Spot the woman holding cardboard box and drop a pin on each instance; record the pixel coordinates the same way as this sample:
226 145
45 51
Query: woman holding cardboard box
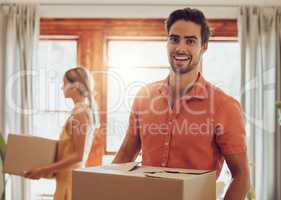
75 139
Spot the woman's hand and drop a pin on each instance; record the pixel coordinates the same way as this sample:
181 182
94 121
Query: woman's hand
36 173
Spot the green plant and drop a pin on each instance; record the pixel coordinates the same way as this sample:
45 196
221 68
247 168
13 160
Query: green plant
251 194
278 106
2 157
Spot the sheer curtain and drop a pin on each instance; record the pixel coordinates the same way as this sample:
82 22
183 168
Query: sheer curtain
259 30
19 28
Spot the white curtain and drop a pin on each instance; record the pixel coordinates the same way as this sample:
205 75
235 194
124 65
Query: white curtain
259 30
19 28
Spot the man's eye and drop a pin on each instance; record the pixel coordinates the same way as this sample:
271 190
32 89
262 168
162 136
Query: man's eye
173 39
190 42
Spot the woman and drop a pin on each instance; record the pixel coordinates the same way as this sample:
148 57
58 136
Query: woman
75 136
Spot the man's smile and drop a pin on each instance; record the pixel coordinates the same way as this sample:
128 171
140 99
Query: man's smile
182 59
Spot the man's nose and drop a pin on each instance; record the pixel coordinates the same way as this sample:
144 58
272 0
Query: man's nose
181 46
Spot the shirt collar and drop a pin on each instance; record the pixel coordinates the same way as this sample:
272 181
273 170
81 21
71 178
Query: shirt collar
198 90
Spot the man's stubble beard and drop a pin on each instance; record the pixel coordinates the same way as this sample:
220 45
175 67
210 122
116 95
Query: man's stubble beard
183 70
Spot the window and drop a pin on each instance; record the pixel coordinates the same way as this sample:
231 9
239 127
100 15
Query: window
221 66
128 71
54 58
100 48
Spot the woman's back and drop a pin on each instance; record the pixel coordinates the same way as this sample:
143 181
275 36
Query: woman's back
66 147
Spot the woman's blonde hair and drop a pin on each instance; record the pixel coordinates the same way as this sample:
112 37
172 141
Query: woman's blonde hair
83 76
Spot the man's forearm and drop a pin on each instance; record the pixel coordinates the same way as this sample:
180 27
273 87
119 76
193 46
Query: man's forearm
122 157
129 150
126 153
238 189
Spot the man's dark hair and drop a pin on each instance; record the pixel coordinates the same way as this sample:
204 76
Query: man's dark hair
193 15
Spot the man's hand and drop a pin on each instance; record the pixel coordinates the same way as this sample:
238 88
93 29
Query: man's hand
238 166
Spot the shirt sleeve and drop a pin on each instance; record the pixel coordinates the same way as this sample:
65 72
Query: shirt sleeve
133 128
134 125
230 128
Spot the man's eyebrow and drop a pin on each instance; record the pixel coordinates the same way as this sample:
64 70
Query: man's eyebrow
185 37
173 35
191 37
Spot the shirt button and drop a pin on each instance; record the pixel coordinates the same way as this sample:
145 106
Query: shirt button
166 143
163 164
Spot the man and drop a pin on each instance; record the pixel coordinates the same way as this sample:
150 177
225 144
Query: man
184 121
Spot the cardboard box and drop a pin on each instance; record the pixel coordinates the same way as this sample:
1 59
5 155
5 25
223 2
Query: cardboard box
27 152
132 182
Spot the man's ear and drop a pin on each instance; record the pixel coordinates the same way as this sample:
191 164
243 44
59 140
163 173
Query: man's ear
204 47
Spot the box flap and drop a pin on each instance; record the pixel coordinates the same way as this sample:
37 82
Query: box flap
134 169
170 175
112 168
148 169
122 166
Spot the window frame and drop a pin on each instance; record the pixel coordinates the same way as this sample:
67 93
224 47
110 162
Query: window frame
93 34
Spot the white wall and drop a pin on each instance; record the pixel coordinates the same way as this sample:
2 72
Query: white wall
142 8
128 11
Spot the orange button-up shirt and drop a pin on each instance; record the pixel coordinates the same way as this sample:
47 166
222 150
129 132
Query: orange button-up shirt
204 125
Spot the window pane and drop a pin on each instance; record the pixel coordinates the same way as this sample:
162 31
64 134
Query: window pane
128 72
54 58
221 66
137 53
123 84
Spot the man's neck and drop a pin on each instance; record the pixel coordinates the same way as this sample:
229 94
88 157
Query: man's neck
180 83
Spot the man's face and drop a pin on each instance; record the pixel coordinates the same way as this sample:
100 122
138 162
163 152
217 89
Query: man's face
184 46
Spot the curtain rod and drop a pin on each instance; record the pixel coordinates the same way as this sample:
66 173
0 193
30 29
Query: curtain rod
124 4
137 4
153 5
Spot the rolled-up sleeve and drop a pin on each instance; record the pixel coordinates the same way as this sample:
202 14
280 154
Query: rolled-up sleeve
230 129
